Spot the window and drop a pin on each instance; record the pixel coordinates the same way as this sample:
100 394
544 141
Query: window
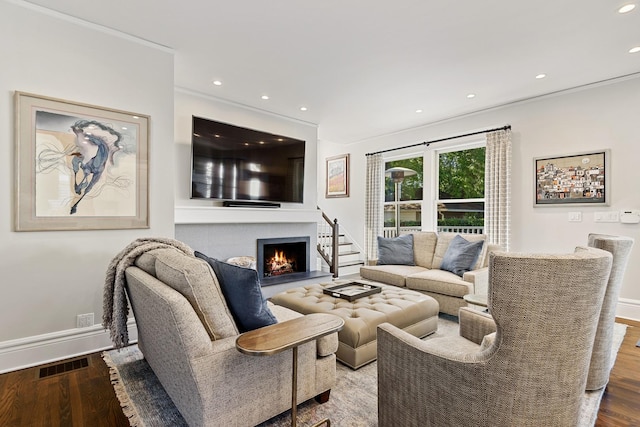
460 195
403 196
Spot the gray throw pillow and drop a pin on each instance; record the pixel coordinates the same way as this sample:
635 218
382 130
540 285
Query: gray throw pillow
461 255
241 289
398 250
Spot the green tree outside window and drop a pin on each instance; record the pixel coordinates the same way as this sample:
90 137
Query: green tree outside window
460 178
461 174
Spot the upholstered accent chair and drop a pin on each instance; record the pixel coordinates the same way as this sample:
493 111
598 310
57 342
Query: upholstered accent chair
476 325
532 373
601 358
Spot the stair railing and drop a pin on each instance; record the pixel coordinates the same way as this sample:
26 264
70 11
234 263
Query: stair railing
329 242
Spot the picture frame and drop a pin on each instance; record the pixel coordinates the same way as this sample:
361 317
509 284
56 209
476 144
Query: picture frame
79 166
579 179
337 182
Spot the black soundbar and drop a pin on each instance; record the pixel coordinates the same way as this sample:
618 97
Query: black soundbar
240 204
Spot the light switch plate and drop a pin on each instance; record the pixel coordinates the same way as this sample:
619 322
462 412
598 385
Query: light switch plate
575 216
607 216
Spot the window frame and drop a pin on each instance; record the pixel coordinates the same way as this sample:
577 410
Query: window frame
435 187
399 203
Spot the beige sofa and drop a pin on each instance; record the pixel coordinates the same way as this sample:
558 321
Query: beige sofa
188 336
425 276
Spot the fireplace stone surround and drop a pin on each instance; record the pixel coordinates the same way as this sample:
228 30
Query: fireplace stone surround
226 240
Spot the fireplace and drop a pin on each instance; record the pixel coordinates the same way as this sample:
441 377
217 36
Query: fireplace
283 259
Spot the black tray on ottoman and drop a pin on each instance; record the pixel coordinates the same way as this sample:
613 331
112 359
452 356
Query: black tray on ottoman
352 291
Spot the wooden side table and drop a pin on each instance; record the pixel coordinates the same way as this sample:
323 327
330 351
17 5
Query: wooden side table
276 338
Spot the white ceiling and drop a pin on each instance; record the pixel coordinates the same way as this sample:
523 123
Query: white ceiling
363 68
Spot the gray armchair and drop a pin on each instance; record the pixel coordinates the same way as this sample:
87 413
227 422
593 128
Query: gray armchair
475 325
532 373
601 358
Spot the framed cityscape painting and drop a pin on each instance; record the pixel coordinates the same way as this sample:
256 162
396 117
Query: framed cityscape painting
79 166
573 180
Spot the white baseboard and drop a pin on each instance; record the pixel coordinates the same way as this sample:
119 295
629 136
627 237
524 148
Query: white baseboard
628 308
42 349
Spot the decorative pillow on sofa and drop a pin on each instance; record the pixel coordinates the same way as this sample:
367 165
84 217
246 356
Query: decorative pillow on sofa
461 255
398 250
241 289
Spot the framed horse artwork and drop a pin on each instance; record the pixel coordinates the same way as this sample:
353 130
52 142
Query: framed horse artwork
79 166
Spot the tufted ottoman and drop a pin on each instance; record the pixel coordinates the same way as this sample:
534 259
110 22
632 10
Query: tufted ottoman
412 311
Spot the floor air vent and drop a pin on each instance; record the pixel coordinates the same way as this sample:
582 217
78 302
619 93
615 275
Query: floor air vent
61 368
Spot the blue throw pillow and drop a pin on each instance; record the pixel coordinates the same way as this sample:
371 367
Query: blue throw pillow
398 250
241 289
461 255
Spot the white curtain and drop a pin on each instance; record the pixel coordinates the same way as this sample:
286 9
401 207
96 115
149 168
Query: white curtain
374 205
497 176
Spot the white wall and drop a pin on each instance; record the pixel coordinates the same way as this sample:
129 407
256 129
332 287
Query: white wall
50 277
598 117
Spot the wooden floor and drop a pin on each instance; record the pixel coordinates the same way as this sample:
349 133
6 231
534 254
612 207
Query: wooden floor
85 397
620 404
81 397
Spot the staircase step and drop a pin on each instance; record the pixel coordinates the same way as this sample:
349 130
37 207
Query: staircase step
349 253
348 258
349 270
350 263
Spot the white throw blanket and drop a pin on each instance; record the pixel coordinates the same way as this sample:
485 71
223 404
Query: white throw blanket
114 301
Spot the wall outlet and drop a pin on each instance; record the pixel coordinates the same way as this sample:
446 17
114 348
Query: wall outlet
575 216
84 320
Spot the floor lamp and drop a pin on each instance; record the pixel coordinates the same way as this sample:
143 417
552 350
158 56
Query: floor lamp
398 175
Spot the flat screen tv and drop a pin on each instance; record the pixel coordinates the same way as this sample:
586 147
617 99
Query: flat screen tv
234 163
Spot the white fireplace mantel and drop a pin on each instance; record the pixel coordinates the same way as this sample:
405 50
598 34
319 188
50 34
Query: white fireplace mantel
243 215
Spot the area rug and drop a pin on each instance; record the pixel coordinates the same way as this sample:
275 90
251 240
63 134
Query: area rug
353 401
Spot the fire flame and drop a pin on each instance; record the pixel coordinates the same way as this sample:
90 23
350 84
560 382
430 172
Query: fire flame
280 264
279 257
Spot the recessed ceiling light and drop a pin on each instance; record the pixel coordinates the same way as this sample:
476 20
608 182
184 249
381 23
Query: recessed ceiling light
265 97
418 111
627 8
471 95
541 76
217 82
634 49
303 108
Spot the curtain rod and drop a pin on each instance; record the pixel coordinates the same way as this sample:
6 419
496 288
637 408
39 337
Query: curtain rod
427 143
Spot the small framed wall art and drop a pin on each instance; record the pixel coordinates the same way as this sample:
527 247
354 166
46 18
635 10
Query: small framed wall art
581 179
338 176
79 166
